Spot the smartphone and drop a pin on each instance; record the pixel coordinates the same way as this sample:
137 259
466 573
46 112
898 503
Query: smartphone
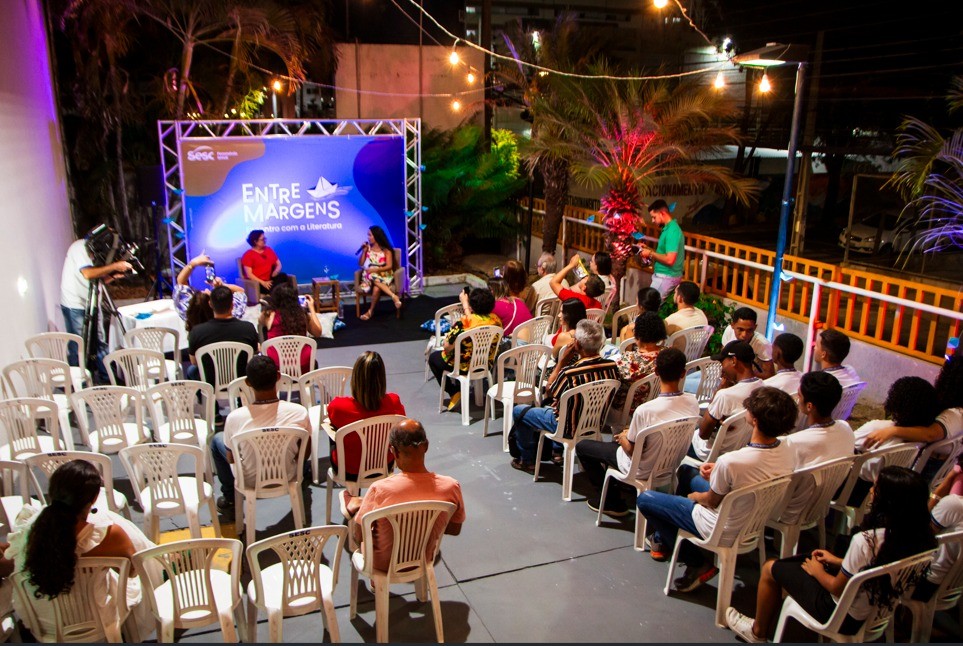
209 274
497 272
467 290
303 300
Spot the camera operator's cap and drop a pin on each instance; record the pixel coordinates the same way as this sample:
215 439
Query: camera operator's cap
741 350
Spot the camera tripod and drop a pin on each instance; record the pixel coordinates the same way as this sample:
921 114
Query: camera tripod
100 309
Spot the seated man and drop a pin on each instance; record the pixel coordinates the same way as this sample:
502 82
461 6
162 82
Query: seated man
737 359
671 404
588 366
223 327
832 348
787 348
686 295
184 294
823 439
409 444
265 411
546 270
586 290
701 491
743 328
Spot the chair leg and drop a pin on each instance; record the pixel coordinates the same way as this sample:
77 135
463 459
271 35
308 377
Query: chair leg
297 504
315 441
251 622
239 519
275 630
538 455
727 575
672 564
165 631
641 524
489 402
193 522
421 589
465 405
605 490
568 470
923 616
789 543
435 605
226 620
153 526
507 408
215 523
251 520
353 607
382 600
781 623
330 618
329 492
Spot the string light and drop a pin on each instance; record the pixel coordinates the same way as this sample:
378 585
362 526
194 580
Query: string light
456 106
454 58
764 85
277 85
470 78
660 4
720 82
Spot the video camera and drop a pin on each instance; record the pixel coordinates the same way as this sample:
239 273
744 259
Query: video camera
106 246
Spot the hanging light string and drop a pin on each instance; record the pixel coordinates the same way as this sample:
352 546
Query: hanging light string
685 14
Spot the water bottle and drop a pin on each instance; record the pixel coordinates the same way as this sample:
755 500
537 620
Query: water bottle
951 345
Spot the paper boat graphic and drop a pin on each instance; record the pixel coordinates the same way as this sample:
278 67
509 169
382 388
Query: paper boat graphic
324 189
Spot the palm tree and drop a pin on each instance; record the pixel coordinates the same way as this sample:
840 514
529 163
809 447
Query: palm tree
627 135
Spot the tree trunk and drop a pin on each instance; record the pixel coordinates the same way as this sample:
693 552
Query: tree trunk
185 76
117 91
231 74
556 174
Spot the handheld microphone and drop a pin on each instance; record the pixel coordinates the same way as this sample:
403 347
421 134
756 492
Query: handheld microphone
360 249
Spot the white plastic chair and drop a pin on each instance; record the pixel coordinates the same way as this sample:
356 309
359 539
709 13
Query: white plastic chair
848 400
160 489
946 597
300 583
289 348
696 338
901 573
627 314
709 379
240 394
807 504
14 477
109 428
53 345
139 368
47 463
525 388
620 418
901 455
549 307
732 435
629 344
318 388
30 425
483 339
156 338
275 476
185 590
596 314
673 438
45 379
947 450
373 460
411 559
175 419
224 357
594 400
451 313
77 616
531 331
732 537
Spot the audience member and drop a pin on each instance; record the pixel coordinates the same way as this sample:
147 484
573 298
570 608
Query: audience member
478 306
415 482
737 359
743 328
647 300
586 367
832 348
787 348
265 411
511 310
516 279
596 457
695 508
895 527
369 398
286 316
946 515
824 438
194 307
586 290
546 270
686 295
600 264
569 316
223 327
639 362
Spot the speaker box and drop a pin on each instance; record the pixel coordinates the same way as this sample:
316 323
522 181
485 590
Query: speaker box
150 186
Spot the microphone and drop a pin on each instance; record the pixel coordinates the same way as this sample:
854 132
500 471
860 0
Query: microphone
363 244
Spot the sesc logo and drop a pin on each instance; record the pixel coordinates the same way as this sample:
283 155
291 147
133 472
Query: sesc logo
201 154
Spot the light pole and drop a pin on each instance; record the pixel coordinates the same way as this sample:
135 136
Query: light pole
773 55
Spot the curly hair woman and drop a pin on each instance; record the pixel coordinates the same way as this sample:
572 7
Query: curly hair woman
647 300
286 316
897 526
377 262
639 362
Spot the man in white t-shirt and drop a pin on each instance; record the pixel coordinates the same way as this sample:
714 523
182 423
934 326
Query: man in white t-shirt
671 404
695 508
78 271
824 438
266 411
688 315
787 348
546 269
737 360
743 328
832 348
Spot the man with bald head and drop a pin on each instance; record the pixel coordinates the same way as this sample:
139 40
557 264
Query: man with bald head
408 442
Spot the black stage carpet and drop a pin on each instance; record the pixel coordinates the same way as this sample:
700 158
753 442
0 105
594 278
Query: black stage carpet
383 326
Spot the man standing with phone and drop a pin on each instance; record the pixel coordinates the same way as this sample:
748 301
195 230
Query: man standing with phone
669 255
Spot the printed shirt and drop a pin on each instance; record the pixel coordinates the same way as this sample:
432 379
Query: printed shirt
184 293
466 323
633 365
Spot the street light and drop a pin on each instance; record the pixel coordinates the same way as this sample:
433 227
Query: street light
773 55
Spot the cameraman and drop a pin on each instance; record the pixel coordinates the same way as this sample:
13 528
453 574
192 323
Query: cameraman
75 279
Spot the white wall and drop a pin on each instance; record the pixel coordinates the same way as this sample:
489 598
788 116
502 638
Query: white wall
34 211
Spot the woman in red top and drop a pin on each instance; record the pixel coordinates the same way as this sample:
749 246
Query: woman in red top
368 399
260 263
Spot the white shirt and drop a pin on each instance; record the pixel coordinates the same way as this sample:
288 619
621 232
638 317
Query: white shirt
664 408
542 288
785 380
73 285
871 467
844 374
948 516
952 421
684 318
760 344
816 444
859 555
246 418
735 470
726 402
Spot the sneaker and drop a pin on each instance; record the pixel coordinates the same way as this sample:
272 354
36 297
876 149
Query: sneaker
454 401
694 577
615 510
741 625
656 550
225 504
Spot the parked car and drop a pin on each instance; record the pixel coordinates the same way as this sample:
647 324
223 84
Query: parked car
895 234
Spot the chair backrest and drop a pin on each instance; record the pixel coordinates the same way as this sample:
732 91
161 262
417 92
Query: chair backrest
77 617
138 367
531 331
289 348
14 477
47 463
240 394
950 591
411 525
673 440
37 377
483 339
524 361
20 421
901 455
743 513
848 401
269 449
710 378
549 306
53 345
187 565
302 558
110 408
695 340
947 450
628 344
596 314
592 403
154 468
373 435
173 403
223 357
153 338
732 435
320 386
650 384
452 313
626 314
812 489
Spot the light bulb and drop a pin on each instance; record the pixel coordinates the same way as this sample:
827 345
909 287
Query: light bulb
277 86
660 4
454 58
470 78
720 81
456 106
764 84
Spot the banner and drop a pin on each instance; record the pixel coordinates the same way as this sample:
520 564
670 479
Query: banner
314 198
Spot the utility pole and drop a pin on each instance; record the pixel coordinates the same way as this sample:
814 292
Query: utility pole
486 42
798 241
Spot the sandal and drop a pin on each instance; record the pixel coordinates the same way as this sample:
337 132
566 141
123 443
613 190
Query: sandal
366 316
523 466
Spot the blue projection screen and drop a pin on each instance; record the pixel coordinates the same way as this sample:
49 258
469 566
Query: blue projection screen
314 197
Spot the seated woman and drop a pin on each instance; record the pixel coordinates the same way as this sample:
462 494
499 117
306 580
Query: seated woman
897 526
640 362
377 264
260 263
369 398
46 543
478 306
286 316
194 307
946 515
573 311
510 309
647 300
